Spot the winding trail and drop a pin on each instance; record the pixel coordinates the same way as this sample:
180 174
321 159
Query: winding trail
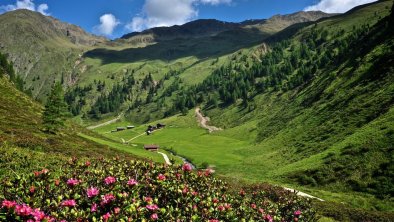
203 121
106 123
168 162
302 194
135 137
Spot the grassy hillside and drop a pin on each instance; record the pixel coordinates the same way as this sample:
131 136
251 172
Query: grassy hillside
25 147
304 105
48 177
43 49
165 53
316 113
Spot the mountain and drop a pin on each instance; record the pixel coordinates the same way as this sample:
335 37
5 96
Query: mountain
311 107
42 48
302 100
211 27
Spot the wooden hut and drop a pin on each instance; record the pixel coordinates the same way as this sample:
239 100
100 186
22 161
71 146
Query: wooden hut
151 147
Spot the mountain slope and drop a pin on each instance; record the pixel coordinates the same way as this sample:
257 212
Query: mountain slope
334 128
313 110
42 48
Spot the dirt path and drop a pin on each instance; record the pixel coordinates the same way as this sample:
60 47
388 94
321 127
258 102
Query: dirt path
106 123
135 137
204 120
302 194
165 158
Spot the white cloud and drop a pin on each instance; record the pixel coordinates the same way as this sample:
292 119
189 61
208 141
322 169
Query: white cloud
215 2
108 23
137 24
157 13
42 9
25 4
336 6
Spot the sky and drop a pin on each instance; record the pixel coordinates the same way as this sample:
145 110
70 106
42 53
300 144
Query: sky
114 18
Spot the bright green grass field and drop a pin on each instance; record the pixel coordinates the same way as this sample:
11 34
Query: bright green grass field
229 154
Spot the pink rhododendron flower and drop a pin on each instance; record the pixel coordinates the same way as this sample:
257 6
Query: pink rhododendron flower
32 189
152 207
49 219
178 176
213 220
268 218
92 192
72 182
215 200
185 190
253 206
8 204
161 177
109 180
106 216
57 182
107 198
297 213
117 210
38 215
68 203
132 182
93 208
87 163
227 206
154 217
186 167
148 199
208 172
220 208
23 210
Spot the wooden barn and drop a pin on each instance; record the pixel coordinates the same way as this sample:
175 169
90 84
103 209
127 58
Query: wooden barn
151 147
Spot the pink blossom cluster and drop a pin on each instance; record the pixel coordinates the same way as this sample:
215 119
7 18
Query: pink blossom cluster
186 167
68 203
92 192
72 182
107 198
109 180
132 182
25 211
152 207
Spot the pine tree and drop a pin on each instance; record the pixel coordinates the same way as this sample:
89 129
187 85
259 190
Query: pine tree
55 110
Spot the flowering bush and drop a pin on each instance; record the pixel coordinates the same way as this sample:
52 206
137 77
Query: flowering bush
116 190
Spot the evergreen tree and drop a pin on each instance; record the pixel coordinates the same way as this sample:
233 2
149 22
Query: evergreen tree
55 109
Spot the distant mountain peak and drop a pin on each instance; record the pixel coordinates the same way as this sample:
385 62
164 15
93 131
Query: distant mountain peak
210 27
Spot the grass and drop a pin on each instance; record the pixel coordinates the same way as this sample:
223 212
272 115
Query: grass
309 131
135 150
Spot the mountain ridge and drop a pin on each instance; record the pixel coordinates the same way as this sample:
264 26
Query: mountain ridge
210 27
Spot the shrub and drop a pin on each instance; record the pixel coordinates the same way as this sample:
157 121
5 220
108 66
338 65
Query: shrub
118 190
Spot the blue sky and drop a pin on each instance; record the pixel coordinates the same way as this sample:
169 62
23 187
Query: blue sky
113 18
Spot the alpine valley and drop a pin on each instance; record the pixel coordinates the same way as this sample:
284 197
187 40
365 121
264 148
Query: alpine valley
289 118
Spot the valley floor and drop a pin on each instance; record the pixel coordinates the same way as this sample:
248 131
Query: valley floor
219 150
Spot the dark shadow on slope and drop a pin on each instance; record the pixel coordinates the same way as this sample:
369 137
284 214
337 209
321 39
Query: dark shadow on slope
222 44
